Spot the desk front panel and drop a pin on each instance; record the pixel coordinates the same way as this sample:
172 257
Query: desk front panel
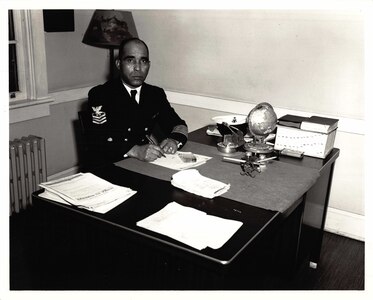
153 194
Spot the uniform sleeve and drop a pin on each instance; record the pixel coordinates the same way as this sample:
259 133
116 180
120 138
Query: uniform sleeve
105 143
173 126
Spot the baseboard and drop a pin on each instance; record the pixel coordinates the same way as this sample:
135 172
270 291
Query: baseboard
345 223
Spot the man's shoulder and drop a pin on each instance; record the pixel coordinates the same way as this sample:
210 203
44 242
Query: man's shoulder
108 86
153 89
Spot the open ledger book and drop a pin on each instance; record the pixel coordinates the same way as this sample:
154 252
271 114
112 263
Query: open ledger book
85 190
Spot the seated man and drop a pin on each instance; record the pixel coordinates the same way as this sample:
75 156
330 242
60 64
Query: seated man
126 112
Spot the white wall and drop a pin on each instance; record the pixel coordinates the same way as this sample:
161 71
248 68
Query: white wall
302 60
72 64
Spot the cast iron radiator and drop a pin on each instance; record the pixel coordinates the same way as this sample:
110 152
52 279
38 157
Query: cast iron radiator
27 168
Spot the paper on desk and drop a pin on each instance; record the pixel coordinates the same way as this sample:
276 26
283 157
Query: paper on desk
191 226
102 209
193 182
87 191
173 161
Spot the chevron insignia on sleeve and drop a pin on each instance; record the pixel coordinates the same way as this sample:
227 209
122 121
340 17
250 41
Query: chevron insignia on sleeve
98 116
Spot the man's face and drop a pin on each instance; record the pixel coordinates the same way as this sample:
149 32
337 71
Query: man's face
134 64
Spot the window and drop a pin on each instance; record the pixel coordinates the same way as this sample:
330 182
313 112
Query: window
28 85
17 81
13 73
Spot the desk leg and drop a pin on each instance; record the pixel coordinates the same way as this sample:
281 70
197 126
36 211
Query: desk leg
289 241
297 229
316 250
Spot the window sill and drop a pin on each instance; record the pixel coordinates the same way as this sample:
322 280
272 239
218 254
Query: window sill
28 110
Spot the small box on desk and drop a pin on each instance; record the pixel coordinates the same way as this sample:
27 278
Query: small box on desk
315 144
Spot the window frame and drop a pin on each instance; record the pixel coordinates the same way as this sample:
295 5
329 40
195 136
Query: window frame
20 50
33 100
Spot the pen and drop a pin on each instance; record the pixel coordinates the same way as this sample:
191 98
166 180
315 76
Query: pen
234 160
241 161
154 143
266 159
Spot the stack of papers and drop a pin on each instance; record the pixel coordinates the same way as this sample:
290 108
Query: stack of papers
177 161
193 182
87 191
191 226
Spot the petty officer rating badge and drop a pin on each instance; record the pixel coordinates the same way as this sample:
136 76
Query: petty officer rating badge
98 116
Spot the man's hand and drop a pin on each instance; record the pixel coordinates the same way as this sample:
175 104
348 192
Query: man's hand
146 152
169 146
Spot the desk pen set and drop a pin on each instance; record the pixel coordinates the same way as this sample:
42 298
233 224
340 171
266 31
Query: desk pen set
260 123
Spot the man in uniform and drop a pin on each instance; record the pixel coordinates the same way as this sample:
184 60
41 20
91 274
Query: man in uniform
131 118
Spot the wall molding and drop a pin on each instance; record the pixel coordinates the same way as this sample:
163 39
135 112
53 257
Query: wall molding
70 95
28 110
349 125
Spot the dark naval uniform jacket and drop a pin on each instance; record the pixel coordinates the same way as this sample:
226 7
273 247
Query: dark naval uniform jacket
117 122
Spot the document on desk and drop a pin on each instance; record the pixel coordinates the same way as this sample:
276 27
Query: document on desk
193 182
191 226
181 160
86 190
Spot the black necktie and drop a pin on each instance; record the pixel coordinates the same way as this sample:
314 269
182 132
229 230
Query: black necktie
133 95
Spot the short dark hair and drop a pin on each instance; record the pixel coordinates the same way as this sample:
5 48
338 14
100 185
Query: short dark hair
126 41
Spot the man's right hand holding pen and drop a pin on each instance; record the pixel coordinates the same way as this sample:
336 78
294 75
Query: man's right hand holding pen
147 152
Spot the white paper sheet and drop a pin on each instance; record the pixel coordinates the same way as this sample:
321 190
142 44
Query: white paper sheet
191 226
193 182
102 209
87 191
173 161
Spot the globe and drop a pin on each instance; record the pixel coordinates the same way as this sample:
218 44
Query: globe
261 122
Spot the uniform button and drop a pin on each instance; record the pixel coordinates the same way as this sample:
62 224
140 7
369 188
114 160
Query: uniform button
129 129
110 139
125 140
146 128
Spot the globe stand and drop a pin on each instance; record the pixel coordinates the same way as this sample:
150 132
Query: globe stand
257 150
261 122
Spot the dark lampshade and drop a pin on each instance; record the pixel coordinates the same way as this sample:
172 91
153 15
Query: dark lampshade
109 27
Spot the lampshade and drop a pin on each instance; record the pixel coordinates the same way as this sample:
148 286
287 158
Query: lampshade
109 27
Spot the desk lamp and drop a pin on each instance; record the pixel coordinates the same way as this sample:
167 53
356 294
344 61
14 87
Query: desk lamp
107 29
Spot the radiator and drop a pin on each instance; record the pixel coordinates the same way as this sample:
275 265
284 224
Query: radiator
27 168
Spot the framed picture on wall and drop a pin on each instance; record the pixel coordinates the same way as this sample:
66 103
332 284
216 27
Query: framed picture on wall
58 20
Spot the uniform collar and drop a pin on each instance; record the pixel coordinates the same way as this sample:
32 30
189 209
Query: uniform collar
129 89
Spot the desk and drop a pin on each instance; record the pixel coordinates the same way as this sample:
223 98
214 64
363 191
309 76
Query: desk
116 254
317 202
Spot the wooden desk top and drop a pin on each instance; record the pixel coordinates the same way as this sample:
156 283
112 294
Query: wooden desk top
200 136
153 194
